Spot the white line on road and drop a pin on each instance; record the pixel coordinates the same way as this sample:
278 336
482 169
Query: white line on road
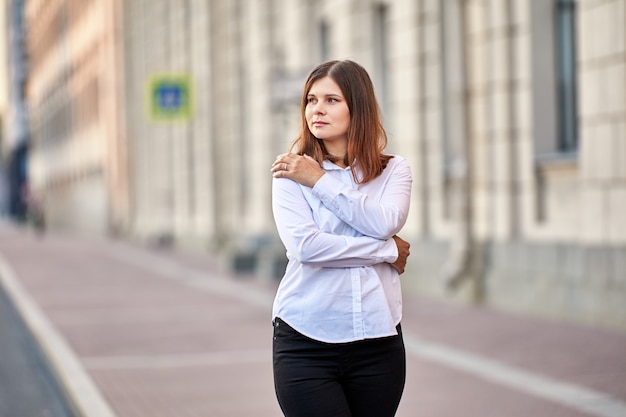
83 392
196 278
578 398
178 360
572 396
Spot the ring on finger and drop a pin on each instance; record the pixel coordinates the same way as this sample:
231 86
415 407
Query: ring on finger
284 167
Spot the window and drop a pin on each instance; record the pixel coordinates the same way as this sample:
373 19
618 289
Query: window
381 55
565 17
554 75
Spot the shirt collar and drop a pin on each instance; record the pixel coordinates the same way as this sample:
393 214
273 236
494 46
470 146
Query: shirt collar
329 166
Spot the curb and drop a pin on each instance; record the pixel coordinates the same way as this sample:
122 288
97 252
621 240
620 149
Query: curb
80 390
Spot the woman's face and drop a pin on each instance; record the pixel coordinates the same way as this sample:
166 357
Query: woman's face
326 112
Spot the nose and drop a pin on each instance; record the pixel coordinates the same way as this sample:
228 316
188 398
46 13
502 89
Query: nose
318 108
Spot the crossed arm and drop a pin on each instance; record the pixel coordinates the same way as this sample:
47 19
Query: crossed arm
377 219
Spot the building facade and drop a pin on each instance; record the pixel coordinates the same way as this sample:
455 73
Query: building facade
77 164
4 100
512 114
13 114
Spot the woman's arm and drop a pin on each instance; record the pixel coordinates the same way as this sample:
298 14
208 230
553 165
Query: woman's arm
309 245
380 218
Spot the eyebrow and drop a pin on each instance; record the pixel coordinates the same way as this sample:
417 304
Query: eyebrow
325 95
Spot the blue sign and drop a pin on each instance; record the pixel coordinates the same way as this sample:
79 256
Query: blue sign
169 97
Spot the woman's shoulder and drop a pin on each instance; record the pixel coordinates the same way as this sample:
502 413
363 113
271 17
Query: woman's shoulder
288 187
398 167
396 159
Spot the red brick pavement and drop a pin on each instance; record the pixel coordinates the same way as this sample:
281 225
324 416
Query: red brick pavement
172 334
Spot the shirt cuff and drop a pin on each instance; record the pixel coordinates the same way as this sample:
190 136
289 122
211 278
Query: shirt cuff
326 188
388 251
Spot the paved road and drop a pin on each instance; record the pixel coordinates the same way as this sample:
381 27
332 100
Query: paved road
27 385
133 331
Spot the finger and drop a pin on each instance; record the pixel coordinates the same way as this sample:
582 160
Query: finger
290 158
285 158
279 162
277 166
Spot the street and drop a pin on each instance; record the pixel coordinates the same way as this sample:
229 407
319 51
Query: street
28 387
133 331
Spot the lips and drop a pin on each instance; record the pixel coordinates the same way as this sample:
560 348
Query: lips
319 123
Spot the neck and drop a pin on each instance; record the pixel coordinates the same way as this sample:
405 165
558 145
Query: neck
337 151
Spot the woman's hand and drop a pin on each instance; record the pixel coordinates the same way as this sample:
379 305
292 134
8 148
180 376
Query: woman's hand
403 254
301 168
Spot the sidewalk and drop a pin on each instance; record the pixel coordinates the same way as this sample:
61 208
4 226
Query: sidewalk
137 332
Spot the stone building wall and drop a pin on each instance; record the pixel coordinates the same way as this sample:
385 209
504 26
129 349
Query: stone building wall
77 158
519 199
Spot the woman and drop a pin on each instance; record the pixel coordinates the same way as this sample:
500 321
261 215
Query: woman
338 203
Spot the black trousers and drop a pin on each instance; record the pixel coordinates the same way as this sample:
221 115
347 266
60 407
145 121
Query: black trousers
356 379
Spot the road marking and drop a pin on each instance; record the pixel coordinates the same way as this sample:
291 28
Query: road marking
221 358
82 391
194 277
572 396
569 395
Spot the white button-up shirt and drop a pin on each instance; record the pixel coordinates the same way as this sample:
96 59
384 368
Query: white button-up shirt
338 285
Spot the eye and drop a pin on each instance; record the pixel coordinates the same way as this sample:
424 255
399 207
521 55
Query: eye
311 100
333 100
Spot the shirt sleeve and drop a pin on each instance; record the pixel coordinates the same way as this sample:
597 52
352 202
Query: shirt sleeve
378 218
309 245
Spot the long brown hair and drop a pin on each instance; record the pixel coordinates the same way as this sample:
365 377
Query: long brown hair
367 138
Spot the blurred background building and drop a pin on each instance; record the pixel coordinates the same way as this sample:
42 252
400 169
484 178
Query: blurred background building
13 114
158 120
4 96
77 161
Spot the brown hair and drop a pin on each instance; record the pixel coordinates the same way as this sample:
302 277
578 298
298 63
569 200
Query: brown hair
367 138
